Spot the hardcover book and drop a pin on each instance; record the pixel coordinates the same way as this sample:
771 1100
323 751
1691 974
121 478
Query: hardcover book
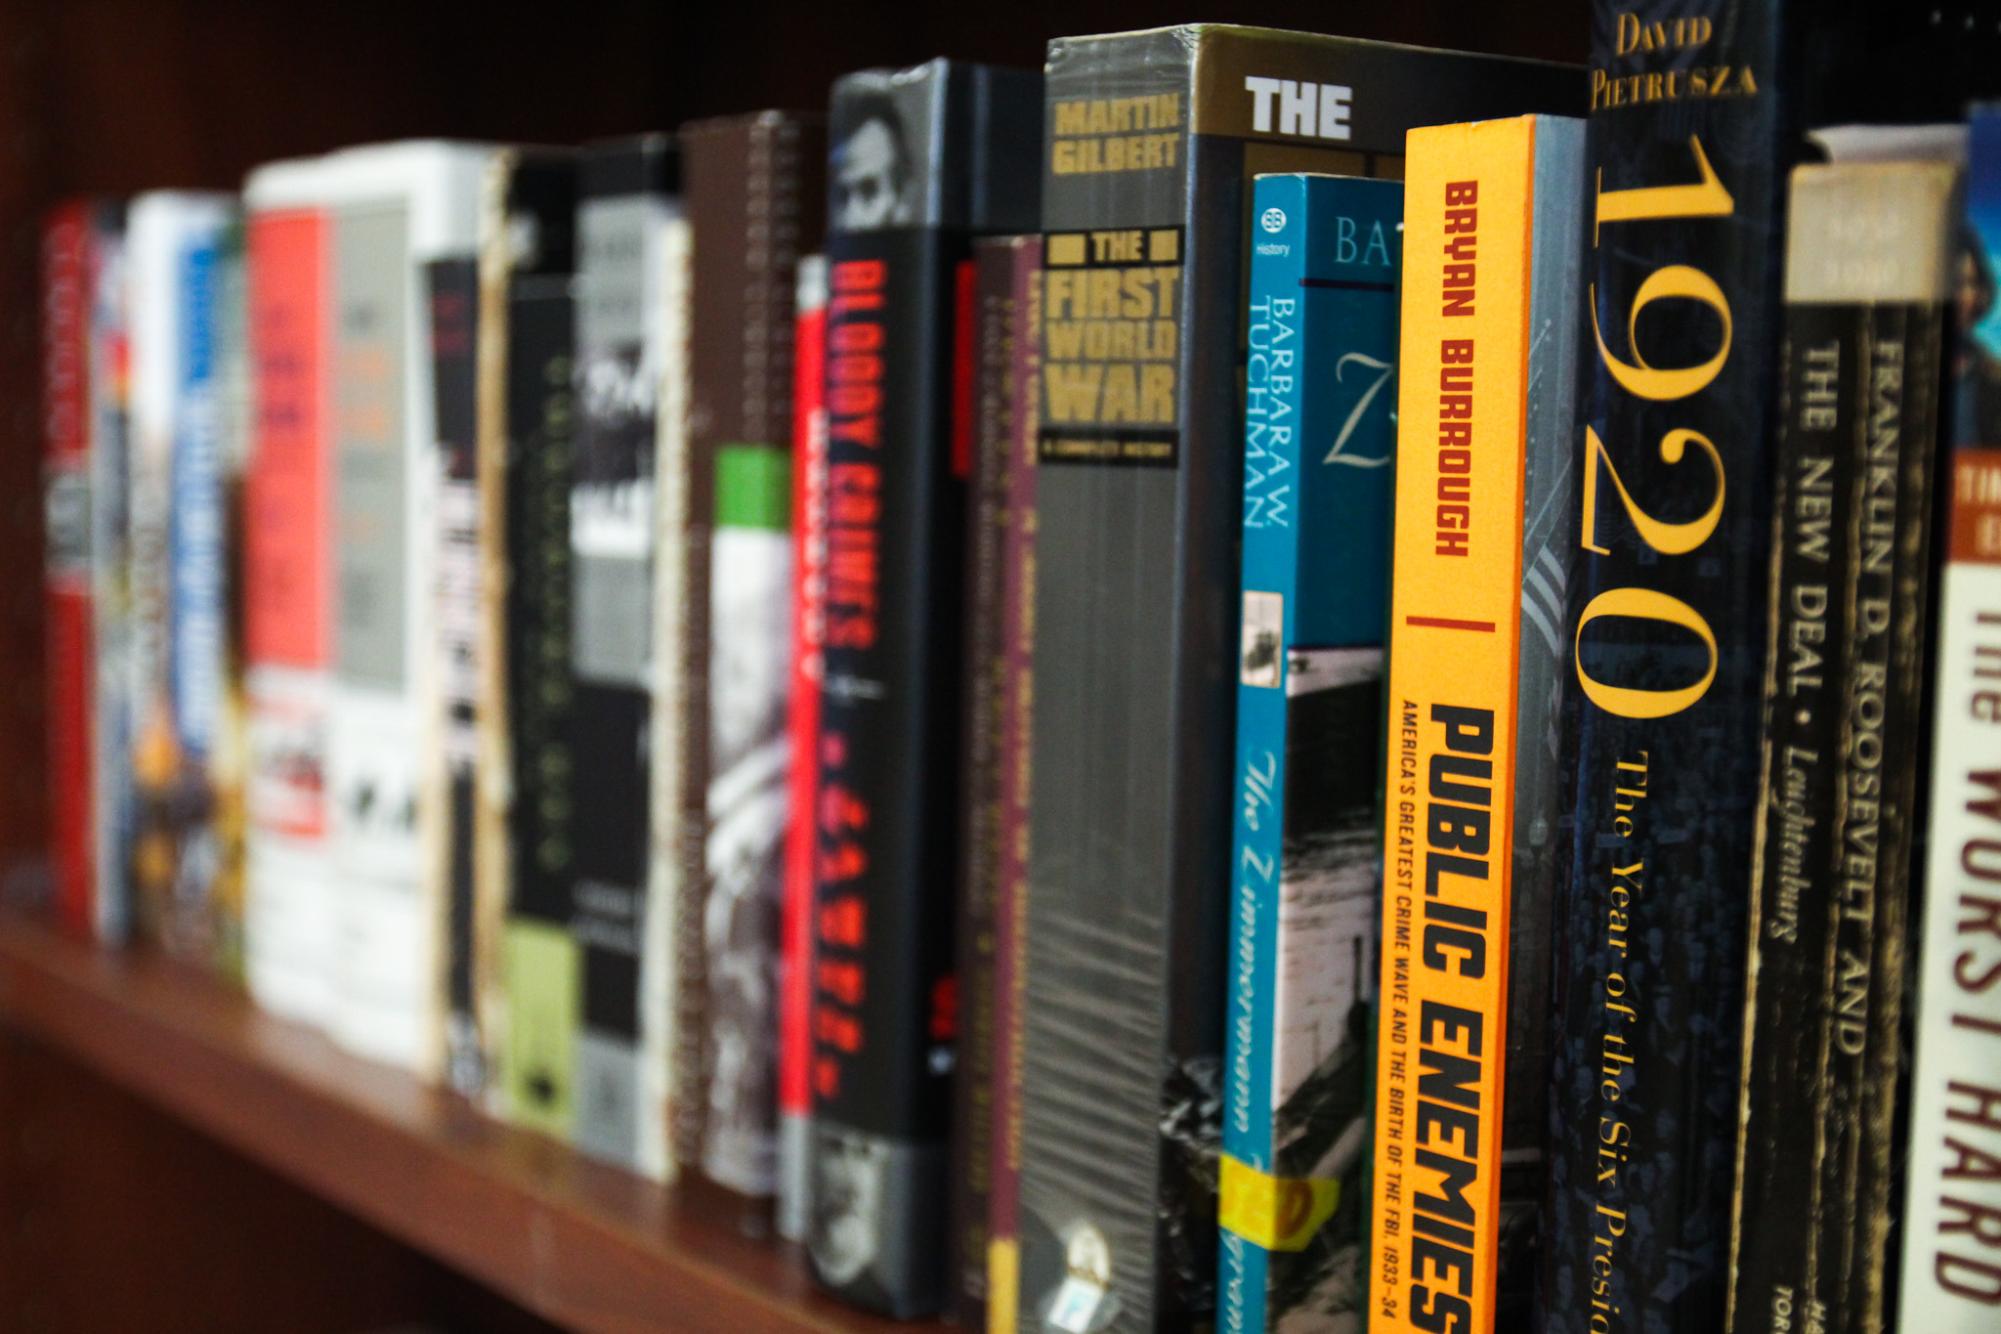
922 160
628 220
1485 478
393 209
1665 618
1867 259
802 728
1020 313
176 556
756 195
1152 139
1318 451
288 593
526 771
1950 1279
69 602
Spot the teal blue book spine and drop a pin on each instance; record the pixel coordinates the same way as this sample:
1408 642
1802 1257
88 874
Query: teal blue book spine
1319 435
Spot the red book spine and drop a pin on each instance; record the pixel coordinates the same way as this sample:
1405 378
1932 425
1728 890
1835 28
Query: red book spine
809 479
71 661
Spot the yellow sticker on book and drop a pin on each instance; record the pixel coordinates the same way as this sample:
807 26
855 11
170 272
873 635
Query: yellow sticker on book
1277 1213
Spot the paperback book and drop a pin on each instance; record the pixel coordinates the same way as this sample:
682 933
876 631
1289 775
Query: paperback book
1486 477
1665 618
1867 259
1307 864
1950 1276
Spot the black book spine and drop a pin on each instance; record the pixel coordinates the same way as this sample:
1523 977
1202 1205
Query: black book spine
911 157
454 304
1824 362
1879 805
1666 622
543 984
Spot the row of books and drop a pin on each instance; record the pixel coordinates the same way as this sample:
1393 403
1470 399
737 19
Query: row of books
1283 690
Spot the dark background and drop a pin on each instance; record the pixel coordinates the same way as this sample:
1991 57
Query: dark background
116 96
112 1216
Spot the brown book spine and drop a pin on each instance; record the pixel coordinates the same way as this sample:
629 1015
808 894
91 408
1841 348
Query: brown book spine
755 197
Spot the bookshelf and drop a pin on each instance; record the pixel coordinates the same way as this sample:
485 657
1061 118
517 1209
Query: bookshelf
568 1239
182 1118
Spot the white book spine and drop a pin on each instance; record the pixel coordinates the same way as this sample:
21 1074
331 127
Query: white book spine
1951 1282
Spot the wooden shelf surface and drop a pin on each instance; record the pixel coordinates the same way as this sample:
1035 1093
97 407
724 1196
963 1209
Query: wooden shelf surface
576 1241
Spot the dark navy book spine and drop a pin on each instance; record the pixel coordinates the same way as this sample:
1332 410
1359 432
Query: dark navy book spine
1667 634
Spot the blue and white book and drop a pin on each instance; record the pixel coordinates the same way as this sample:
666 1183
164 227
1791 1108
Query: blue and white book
1319 435
175 576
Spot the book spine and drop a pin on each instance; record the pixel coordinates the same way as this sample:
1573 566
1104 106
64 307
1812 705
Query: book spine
110 496
1298 1062
883 1012
621 362
1666 619
1011 837
1950 1244
172 563
757 177
1867 259
809 562
229 757
684 496
1251 1192
68 609
1455 643
492 751
1823 357
987 351
885 1003
387 944
748 670
1879 802
288 908
197 646
453 304
543 959
1129 829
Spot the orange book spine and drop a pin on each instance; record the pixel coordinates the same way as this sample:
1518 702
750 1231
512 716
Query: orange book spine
1455 639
